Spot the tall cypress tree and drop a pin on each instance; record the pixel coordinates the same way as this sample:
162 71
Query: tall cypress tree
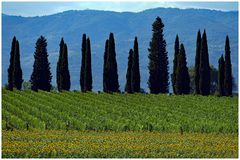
59 76
182 75
105 75
197 63
84 41
135 76
65 75
221 68
11 65
17 71
228 69
128 86
175 61
204 70
113 85
88 68
41 75
158 60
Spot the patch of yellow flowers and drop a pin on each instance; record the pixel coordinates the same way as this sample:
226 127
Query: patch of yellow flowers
75 144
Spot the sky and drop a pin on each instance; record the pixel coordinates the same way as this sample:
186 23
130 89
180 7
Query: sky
30 9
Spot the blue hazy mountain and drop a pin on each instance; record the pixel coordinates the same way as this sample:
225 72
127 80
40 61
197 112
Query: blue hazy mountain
125 26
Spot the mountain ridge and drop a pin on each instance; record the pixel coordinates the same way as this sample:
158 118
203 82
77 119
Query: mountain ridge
125 26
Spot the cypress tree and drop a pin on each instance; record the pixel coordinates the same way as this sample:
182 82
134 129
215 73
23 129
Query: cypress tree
182 75
128 86
41 75
88 68
158 60
228 69
17 71
84 41
105 76
197 63
221 65
113 85
175 61
65 75
204 70
135 76
11 65
59 63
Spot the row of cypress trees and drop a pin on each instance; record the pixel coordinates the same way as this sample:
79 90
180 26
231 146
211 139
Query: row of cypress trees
158 81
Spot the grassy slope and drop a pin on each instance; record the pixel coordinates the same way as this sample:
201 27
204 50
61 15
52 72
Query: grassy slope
91 111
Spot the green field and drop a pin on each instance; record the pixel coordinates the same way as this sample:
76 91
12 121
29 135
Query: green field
75 124
119 112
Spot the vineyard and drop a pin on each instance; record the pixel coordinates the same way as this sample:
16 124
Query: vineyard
74 110
75 124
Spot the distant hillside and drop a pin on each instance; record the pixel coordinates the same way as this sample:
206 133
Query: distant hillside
125 26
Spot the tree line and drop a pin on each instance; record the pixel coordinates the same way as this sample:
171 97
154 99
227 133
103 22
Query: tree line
158 66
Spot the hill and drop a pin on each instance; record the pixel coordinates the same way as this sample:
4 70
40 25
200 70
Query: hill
119 112
125 25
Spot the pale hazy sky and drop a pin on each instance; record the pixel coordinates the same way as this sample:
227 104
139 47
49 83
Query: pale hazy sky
46 8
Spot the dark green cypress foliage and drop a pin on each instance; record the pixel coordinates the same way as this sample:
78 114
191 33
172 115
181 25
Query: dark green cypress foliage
128 86
175 61
182 75
197 63
59 77
113 85
17 71
88 68
228 69
65 75
158 60
135 76
221 66
11 65
84 41
204 70
105 75
41 75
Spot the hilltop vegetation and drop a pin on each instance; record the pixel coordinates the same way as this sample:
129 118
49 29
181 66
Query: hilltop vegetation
118 112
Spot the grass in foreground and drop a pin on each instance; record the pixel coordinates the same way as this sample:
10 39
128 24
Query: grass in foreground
117 144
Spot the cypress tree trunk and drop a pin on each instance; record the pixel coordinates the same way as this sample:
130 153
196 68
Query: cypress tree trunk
65 75
105 75
204 82
228 69
197 63
59 77
182 75
41 75
221 65
84 41
128 86
11 64
158 60
113 85
88 68
175 61
17 74
135 76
